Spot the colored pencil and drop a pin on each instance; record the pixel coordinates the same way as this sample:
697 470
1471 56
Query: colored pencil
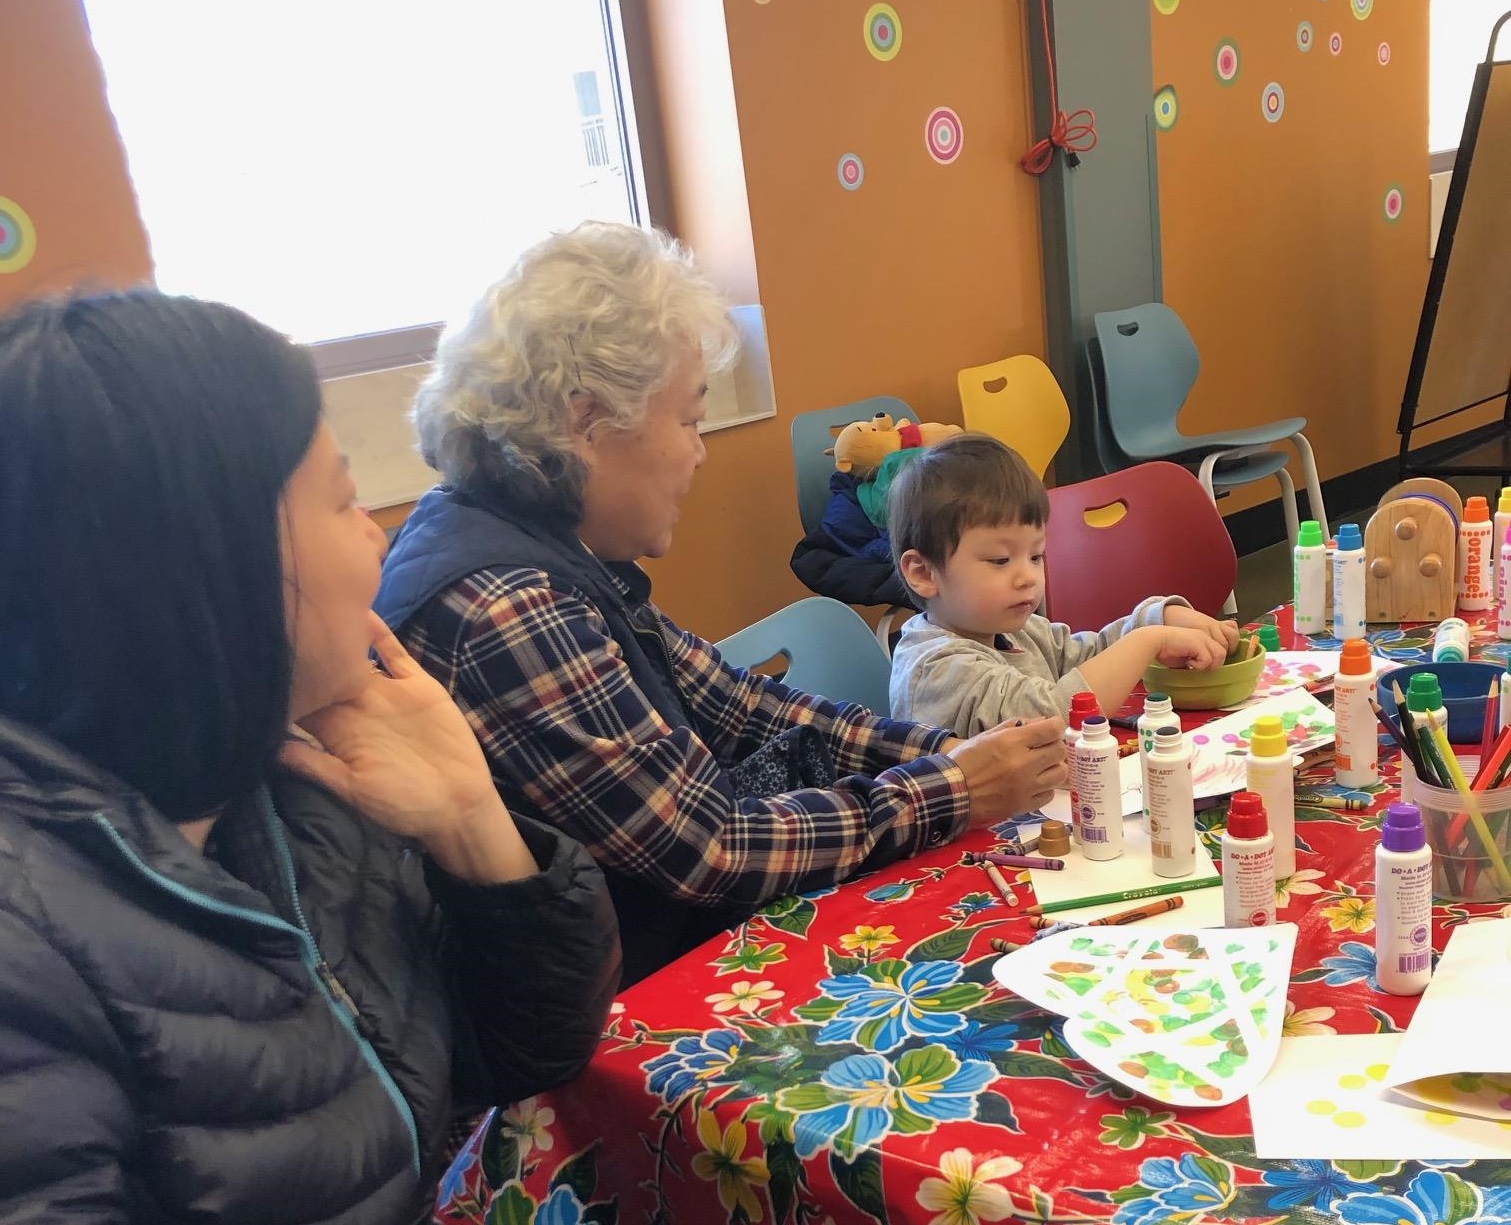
1001 884
1492 717
1476 818
1021 861
1409 732
1142 911
1395 733
1124 895
1492 763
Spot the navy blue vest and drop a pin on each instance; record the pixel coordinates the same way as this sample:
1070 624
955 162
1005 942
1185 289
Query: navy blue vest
451 534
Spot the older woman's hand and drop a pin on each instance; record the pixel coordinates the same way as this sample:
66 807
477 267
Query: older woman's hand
1011 768
403 755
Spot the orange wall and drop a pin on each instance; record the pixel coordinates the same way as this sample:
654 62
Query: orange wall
60 157
1302 298
887 289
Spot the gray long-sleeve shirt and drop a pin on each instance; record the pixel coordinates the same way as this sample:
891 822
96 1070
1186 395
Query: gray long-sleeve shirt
945 680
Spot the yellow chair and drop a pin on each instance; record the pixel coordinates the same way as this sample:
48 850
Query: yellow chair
1017 401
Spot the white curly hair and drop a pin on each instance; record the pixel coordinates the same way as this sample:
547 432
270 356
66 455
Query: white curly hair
604 310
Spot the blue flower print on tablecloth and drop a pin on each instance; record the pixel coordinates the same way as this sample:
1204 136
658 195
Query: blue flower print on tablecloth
562 1208
454 1181
1179 1190
861 1098
977 1041
693 1060
1356 963
884 1004
1433 1198
1313 1183
972 904
1496 1205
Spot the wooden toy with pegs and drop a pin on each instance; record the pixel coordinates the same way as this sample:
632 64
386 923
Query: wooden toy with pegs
1410 548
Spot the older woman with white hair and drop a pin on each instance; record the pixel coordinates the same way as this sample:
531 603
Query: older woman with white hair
563 415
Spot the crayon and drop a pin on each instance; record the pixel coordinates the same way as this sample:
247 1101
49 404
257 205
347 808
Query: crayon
1021 861
1001 884
1344 803
1142 911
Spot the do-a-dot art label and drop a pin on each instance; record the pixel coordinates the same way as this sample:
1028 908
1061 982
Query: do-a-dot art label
1393 203
852 173
1272 102
943 135
18 237
1305 36
1225 61
883 31
1166 108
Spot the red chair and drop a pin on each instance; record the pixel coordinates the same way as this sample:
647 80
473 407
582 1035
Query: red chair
1117 539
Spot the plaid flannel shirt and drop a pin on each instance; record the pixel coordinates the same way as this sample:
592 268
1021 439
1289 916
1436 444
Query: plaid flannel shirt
563 724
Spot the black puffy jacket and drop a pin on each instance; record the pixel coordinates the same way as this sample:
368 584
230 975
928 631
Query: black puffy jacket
278 1030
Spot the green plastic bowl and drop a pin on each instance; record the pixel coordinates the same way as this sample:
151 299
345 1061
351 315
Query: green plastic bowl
1193 690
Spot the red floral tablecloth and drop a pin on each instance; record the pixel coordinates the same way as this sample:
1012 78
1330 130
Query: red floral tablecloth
847 1056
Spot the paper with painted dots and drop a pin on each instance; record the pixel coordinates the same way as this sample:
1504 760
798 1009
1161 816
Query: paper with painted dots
1191 1018
1454 1056
1326 1099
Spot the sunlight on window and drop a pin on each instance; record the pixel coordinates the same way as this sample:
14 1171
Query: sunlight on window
1460 34
337 167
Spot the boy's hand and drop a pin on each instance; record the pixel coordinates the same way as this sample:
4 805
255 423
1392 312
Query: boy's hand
1190 648
1224 633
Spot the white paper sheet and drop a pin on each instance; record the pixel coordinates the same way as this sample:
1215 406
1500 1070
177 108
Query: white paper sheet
1454 1055
1287 670
1192 1018
1325 1099
1133 869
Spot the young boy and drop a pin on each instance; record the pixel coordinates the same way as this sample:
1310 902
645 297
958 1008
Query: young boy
967 525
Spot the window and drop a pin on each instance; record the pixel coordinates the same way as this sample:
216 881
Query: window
1460 32
340 168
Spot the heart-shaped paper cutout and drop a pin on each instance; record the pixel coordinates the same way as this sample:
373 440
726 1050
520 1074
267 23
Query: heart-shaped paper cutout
1188 1018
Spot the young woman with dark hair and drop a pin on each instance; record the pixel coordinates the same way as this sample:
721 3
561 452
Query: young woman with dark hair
242 977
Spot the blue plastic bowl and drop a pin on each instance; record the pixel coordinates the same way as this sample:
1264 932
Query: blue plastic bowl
1465 687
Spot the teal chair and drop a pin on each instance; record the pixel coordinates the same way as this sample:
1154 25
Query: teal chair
1147 366
826 647
813 432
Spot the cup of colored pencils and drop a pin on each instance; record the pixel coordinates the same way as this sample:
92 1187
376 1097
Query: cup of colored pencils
1468 819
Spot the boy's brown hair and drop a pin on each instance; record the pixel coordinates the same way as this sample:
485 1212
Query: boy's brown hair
970 480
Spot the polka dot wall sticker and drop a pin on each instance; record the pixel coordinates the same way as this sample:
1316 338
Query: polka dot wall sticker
18 237
852 172
1166 108
1166 6
943 135
883 31
1335 43
1225 61
1394 204
1305 36
1272 102
1382 53
1361 9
